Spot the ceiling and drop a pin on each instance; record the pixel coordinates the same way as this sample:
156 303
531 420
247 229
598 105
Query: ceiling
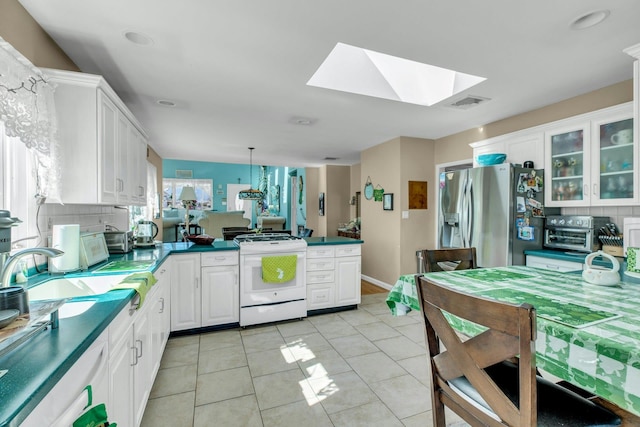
237 70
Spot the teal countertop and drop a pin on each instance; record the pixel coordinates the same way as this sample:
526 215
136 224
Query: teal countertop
334 240
36 366
557 254
569 256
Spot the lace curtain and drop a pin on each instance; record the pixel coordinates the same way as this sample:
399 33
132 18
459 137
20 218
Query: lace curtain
28 112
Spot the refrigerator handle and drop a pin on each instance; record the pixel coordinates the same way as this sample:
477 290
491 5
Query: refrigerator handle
464 213
468 214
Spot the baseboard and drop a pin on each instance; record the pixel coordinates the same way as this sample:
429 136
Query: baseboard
376 282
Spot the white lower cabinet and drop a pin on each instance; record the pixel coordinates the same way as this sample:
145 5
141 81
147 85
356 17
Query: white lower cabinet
137 338
205 290
220 288
333 276
347 280
552 263
121 374
68 398
161 314
186 302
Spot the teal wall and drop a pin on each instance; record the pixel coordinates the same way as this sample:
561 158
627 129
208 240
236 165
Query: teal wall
230 173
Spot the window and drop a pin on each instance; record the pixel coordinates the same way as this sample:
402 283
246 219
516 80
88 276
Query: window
17 185
172 187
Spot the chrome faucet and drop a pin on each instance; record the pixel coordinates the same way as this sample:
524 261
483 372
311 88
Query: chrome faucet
6 268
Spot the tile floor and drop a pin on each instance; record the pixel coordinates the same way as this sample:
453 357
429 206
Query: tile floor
362 367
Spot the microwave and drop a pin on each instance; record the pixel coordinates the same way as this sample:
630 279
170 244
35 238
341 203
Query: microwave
573 233
119 242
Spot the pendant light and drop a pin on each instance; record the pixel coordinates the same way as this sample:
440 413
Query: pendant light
251 194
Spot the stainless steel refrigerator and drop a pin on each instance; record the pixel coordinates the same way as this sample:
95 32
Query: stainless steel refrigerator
496 209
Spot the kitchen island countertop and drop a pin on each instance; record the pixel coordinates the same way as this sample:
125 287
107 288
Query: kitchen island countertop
332 240
36 366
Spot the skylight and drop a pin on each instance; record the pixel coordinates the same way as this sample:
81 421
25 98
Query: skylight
365 72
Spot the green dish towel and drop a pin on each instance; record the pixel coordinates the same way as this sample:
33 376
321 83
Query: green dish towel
279 269
140 282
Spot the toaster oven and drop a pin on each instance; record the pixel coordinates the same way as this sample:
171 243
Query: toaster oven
119 242
573 233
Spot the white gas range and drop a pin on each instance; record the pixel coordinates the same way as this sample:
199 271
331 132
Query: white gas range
272 277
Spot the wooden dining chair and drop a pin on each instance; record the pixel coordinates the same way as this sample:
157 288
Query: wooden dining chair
458 259
475 379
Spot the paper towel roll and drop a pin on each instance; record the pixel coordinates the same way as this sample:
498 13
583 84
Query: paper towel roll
66 238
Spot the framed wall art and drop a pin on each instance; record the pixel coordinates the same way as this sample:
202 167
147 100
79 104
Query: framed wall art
387 201
321 204
417 194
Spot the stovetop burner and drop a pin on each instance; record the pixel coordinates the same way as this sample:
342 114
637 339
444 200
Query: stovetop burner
264 237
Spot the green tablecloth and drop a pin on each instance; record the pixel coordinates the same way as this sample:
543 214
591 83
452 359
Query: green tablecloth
594 343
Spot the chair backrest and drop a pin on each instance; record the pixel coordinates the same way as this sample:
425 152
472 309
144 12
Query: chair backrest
460 259
510 332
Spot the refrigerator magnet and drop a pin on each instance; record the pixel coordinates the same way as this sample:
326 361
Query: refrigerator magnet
520 206
525 233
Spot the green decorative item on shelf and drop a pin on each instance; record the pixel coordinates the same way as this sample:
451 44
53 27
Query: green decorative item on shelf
378 193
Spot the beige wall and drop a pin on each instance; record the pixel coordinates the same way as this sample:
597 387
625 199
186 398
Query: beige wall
390 242
416 231
19 29
311 191
355 186
338 193
381 229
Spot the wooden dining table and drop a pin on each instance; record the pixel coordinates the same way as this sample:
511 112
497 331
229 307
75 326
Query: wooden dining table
587 335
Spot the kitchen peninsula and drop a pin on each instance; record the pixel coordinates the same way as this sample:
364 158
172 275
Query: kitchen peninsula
34 368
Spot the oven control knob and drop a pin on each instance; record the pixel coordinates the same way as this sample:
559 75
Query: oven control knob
561 221
552 221
579 222
569 221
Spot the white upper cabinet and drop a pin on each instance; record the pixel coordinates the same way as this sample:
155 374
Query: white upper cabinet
518 146
102 146
592 160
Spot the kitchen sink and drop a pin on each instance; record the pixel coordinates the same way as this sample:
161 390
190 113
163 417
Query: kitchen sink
74 287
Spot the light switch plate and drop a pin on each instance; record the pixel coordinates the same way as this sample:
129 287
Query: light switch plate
405 214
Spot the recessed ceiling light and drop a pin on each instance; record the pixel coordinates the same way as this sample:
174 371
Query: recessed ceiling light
365 72
589 19
138 38
166 103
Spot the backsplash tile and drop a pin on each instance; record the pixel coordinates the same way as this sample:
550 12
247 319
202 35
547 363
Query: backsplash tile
616 213
90 217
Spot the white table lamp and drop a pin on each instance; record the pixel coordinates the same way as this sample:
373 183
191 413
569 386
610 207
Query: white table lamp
187 196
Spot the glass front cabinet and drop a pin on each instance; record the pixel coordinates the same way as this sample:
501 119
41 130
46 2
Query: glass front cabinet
593 162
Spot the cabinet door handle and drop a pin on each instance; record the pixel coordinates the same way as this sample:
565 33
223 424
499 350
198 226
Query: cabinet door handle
196 282
595 189
135 356
553 267
586 190
138 355
161 305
